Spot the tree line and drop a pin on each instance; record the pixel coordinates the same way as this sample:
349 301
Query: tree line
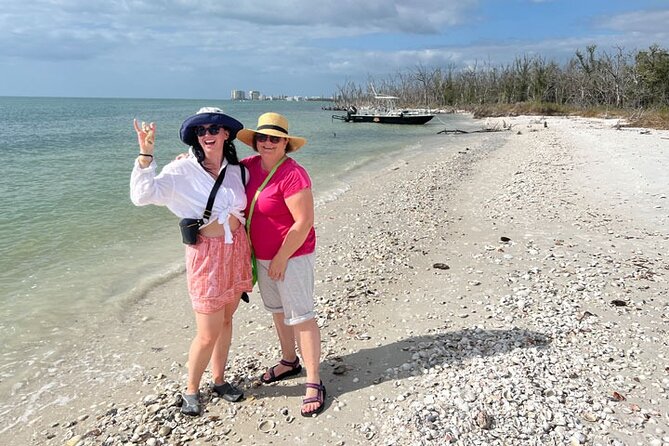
591 78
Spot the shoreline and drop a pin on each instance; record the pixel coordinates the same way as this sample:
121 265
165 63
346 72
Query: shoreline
37 330
413 354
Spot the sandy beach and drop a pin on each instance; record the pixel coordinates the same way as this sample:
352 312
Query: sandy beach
510 288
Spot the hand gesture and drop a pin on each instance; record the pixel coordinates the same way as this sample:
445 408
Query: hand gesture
146 136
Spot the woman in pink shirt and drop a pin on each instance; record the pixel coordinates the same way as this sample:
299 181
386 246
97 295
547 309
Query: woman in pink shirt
283 239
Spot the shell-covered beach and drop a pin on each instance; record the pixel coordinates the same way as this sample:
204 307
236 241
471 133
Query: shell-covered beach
510 291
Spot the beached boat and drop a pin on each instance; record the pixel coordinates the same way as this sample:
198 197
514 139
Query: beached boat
384 115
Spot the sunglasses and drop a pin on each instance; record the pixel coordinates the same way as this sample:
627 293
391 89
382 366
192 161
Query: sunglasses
212 129
273 139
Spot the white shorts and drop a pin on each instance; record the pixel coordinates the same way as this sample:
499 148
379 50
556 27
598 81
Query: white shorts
294 295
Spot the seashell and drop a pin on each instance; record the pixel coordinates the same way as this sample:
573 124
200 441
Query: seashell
93 433
266 426
583 315
589 416
73 441
340 369
483 419
615 396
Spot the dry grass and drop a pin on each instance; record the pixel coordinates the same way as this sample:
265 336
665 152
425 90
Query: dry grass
654 119
517 109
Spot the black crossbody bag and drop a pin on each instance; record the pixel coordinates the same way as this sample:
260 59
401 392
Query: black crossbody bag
190 227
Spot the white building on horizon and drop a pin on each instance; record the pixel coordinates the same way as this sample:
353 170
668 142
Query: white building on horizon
238 95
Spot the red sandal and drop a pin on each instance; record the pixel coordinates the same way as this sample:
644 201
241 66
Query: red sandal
320 398
295 368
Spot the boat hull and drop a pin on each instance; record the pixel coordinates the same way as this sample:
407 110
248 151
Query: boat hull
386 119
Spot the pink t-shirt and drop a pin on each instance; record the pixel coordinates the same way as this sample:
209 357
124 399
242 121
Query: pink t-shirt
271 217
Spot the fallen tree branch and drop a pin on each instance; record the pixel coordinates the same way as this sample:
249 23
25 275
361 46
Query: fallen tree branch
447 131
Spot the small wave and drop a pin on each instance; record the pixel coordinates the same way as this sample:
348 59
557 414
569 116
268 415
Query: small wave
146 285
360 168
331 195
30 405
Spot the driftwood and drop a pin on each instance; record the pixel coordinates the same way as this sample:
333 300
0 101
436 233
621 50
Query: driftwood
446 131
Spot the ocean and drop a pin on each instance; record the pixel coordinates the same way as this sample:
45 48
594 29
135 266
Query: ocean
74 251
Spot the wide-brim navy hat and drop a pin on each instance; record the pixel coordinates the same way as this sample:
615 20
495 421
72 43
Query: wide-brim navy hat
208 115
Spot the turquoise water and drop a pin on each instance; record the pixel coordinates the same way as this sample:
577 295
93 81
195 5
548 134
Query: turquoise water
71 242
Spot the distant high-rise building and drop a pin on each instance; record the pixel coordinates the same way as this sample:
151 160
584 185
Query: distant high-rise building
254 95
237 95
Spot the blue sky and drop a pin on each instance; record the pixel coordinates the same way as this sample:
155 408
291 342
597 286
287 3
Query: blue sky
205 48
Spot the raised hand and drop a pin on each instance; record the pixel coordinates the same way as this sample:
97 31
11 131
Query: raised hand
146 136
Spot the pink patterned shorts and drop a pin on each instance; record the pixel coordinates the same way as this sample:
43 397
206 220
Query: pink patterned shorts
217 272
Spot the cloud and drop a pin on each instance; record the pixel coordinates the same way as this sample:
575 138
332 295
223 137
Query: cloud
296 43
653 22
76 29
417 16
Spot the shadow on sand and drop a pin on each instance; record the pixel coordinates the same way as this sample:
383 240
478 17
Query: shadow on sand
408 357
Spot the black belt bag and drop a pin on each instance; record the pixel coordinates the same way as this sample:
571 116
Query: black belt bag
190 227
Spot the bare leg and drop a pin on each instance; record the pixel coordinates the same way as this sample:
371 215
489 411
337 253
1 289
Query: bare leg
309 338
209 328
219 357
287 341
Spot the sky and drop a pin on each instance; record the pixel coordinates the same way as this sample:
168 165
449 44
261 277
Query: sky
205 48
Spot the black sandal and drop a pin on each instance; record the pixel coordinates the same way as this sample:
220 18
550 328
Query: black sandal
320 398
295 369
228 392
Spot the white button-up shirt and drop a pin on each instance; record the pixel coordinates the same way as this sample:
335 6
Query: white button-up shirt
183 186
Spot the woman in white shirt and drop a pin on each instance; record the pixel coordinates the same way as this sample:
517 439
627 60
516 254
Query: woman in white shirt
218 264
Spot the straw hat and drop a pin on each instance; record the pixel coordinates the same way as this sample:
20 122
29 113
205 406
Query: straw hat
208 115
272 124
